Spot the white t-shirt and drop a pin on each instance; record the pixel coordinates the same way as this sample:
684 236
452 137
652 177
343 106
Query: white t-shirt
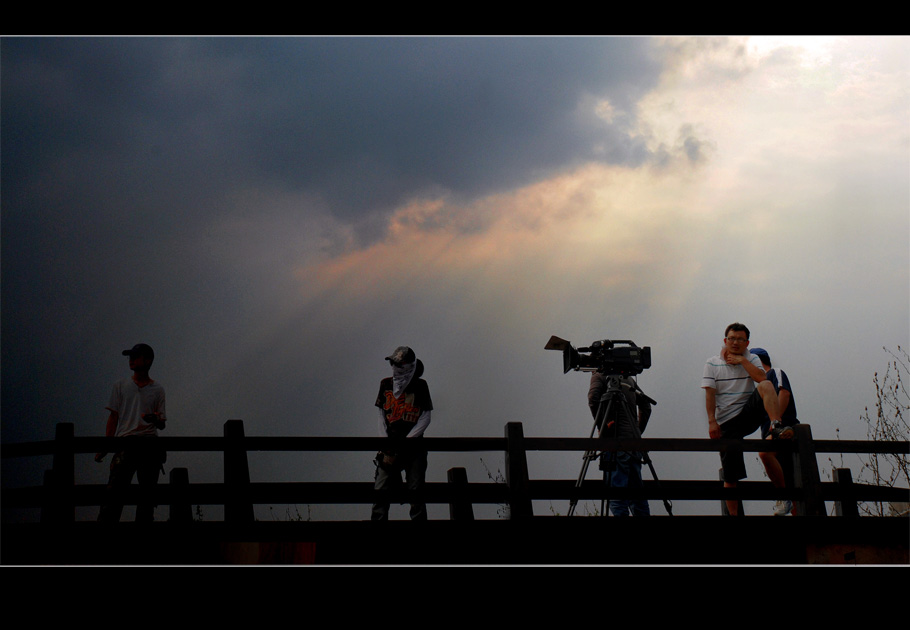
131 402
732 385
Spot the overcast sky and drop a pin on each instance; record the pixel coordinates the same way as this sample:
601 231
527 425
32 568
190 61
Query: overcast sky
275 215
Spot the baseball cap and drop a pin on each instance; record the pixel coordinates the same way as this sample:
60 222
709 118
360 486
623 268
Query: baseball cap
402 354
140 348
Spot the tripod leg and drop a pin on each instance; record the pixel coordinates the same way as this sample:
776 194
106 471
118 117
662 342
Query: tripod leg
647 459
588 456
608 461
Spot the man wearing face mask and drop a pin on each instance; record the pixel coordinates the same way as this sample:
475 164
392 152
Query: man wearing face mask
404 413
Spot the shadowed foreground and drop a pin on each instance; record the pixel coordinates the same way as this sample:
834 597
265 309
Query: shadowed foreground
540 540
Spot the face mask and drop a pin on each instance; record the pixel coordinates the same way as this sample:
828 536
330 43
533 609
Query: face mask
401 376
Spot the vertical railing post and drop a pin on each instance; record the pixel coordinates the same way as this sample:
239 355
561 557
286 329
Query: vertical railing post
179 485
846 503
238 507
60 506
805 474
517 473
460 508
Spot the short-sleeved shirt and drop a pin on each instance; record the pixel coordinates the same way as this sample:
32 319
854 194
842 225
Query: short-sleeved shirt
731 383
405 410
131 402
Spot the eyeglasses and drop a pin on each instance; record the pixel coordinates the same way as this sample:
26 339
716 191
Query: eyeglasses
737 340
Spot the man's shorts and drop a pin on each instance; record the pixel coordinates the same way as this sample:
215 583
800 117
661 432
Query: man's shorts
745 423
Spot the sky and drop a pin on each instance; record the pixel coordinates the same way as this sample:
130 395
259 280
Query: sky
275 215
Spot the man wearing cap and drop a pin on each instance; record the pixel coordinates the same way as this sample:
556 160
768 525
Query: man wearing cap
779 469
404 413
137 410
738 399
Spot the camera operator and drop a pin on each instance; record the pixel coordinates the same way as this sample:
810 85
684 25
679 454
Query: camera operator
404 413
624 468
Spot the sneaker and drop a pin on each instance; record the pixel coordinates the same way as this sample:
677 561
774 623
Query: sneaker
780 432
783 508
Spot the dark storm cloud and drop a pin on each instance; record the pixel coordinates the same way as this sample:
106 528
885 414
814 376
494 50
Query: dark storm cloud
123 159
375 119
363 123
162 189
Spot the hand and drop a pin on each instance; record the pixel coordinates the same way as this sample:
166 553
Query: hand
714 431
734 359
154 418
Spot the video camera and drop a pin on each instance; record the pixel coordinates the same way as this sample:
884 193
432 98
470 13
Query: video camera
603 356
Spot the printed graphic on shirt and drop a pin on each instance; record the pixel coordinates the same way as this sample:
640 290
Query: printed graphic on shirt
401 408
408 406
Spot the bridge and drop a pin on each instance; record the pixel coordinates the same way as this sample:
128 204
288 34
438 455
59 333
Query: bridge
813 536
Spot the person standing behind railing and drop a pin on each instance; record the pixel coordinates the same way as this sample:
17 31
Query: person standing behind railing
404 414
137 411
623 469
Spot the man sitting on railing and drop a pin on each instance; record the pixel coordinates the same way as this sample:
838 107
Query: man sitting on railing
737 398
404 413
136 411
779 469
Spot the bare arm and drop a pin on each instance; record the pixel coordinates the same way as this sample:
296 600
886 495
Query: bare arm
109 430
111 427
711 409
757 374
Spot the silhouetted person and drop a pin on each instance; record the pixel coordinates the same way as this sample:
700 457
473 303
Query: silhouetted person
623 469
137 412
404 413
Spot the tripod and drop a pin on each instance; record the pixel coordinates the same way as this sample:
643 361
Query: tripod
613 411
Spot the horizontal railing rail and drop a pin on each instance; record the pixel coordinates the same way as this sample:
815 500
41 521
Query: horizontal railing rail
59 495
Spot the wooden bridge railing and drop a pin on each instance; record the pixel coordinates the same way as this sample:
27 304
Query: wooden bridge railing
59 495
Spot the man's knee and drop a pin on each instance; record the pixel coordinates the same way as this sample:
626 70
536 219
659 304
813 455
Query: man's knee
765 388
